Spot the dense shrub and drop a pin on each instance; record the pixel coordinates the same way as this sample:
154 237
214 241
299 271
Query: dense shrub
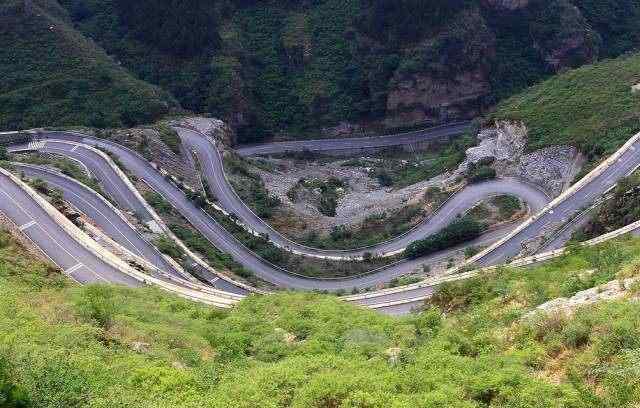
481 173
459 231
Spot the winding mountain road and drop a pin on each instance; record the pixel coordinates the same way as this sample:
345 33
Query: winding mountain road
214 173
72 145
510 240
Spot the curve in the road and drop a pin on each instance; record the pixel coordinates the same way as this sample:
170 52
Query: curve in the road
225 241
213 171
593 186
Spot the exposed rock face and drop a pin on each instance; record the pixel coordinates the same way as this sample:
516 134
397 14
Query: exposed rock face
613 290
449 75
504 142
450 78
571 42
552 168
427 99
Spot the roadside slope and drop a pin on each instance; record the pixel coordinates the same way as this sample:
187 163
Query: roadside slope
592 108
98 346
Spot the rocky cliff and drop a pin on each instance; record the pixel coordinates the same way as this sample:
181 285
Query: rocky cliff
459 81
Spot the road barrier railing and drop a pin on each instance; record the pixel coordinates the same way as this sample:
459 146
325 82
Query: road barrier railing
166 230
109 258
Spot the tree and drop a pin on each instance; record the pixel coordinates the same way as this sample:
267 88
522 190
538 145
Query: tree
4 155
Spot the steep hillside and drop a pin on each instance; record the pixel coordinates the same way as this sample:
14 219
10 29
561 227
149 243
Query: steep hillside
593 108
296 66
103 346
50 75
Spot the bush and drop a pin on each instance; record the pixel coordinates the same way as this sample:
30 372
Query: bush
168 247
481 173
461 230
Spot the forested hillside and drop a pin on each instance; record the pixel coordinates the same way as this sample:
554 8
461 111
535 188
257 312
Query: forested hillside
296 67
52 75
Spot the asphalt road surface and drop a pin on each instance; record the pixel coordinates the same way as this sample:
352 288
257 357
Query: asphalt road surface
224 241
325 145
112 224
75 260
562 212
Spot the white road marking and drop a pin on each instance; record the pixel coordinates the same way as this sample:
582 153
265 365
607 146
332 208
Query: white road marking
73 268
27 225
28 214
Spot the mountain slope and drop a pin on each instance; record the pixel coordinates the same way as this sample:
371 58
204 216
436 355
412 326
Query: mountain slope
592 108
296 67
104 346
50 75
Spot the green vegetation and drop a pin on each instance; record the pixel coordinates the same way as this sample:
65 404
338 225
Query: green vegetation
162 206
292 66
507 205
481 173
620 210
4 155
168 247
98 346
461 230
396 168
53 76
199 244
169 136
591 108
250 186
